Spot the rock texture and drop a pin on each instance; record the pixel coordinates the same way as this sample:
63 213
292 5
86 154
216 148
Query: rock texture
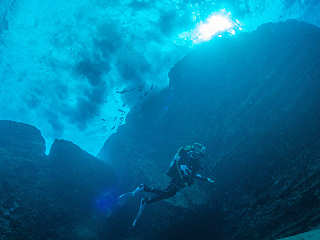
21 139
254 101
49 197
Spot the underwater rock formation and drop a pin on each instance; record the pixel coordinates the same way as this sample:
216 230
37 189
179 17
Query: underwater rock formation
48 197
254 101
21 139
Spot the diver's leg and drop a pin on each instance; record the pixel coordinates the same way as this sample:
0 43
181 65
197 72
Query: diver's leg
142 187
169 192
160 197
153 190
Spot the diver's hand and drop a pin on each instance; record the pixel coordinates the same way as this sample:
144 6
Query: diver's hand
207 179
186 171
210 180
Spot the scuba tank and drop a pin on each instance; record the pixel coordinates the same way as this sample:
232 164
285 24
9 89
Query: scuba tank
174 167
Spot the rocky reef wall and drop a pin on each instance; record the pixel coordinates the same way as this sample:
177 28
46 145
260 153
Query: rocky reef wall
49 197
254 101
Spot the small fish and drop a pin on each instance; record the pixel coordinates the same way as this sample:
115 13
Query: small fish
124 91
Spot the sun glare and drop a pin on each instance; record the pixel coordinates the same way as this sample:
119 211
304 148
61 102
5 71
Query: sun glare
216 24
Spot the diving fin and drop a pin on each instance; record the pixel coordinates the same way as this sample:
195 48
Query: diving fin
141 208
124 197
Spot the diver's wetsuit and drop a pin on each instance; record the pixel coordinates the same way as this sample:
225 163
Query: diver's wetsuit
174 186
183 170
178 179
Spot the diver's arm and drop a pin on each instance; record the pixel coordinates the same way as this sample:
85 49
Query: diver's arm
186 171
202 178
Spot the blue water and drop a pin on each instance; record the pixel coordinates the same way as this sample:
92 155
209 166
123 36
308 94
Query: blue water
65 62
100 94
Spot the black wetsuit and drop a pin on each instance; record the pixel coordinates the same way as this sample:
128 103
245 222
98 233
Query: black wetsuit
178 179
174 186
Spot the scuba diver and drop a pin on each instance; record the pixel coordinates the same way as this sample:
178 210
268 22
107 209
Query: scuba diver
183 170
